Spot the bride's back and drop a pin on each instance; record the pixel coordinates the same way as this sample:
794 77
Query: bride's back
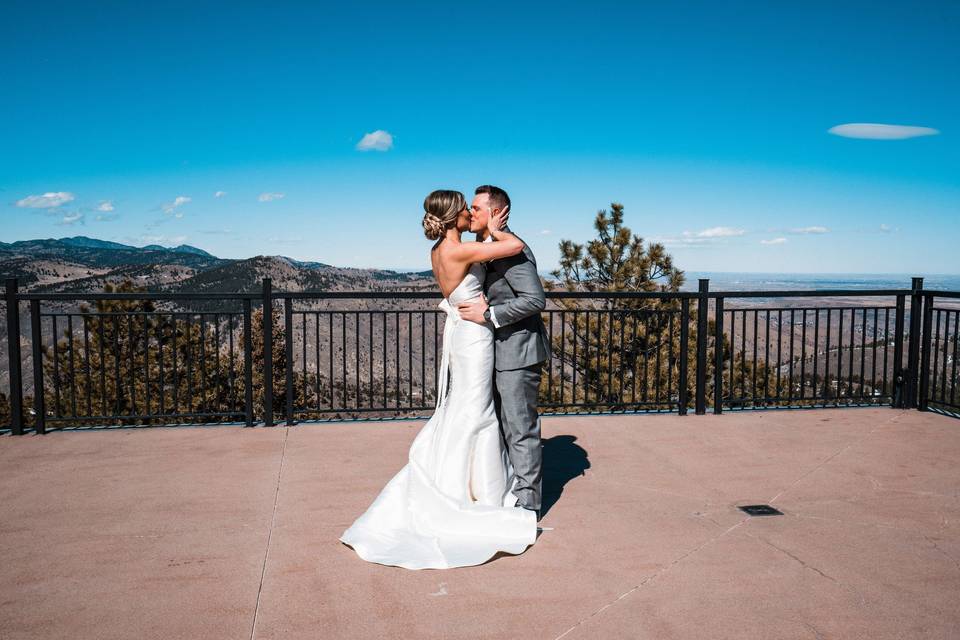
469 284
447 272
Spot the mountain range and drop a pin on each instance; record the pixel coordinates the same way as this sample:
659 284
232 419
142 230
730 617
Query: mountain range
88 264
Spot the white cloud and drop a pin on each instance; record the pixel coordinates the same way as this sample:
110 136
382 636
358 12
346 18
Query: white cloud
716 232
70 219
702 238
872 131
171 207
378 140
814 229
546 232
267 197
105 205
774 241
219 194
106 217
46 201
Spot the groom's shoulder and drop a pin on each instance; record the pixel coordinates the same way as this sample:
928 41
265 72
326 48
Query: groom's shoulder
525 256
527 253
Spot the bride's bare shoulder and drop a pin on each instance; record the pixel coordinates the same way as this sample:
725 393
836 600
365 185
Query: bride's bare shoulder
448 271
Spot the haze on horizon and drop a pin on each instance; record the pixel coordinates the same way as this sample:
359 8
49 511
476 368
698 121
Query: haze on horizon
751 138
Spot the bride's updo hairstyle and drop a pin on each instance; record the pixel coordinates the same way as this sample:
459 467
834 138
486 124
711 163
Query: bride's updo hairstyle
441 210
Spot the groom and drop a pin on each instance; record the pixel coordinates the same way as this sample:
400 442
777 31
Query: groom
514 300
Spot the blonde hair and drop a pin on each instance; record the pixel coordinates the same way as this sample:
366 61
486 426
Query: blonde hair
441 209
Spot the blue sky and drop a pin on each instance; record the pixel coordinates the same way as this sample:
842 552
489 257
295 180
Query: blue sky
708 121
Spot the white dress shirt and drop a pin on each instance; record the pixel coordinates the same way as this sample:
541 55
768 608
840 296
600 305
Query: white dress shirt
493 316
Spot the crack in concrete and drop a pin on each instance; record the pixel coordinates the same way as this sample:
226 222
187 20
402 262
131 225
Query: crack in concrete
709 518
804 564
648 579
834 455
807 565
273 518
816 632
937 547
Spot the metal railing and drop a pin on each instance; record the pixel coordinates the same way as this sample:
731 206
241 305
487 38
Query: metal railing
135 358
807 356
940 378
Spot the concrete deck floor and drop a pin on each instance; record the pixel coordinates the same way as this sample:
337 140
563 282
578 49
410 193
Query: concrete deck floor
226 532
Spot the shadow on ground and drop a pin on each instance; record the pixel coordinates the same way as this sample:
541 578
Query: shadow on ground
563 460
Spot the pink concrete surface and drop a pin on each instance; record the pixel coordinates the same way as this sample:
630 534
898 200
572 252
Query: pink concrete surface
230 532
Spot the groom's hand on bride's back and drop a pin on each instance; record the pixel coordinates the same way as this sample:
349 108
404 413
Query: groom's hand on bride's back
473 311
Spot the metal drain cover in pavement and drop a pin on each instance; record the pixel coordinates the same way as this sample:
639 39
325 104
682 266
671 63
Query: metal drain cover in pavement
760 510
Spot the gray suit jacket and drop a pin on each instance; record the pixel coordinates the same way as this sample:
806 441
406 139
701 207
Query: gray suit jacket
515 293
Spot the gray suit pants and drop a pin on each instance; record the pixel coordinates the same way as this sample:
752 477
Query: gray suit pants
515 397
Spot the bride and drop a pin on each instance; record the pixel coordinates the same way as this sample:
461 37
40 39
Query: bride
451 504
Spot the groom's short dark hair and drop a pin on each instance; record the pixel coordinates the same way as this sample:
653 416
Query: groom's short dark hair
498 197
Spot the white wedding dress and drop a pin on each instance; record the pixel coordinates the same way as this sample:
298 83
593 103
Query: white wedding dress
451 504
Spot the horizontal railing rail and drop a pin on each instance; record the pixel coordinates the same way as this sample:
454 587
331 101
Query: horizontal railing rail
159 358
807 293
90 297
407 295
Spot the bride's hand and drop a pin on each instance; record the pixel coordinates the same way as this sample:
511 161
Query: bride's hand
473 311
498 221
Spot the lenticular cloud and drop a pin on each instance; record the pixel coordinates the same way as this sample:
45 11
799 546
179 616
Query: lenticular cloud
871 131
49 200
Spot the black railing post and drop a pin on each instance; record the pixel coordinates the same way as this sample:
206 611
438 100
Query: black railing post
684 355
924 372
701 392
718 358
247 363
36 339
288 352
13 353
898 394
913 353
267 352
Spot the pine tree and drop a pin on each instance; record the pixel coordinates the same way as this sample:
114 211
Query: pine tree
621 351
624 351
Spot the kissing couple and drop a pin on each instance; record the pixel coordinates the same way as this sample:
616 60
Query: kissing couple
472 484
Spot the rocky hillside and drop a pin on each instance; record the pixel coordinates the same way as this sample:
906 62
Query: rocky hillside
88 264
